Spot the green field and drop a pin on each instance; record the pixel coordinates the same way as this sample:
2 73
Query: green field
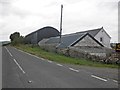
36 50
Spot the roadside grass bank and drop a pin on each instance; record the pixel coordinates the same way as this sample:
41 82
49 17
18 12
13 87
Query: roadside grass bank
36 50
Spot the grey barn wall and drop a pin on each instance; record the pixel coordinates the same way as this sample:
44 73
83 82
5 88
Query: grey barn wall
45 32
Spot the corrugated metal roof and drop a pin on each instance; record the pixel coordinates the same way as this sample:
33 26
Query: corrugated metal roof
66 40
47 27
92 32
69 39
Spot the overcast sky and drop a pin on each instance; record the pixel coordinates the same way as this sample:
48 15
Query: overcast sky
26 16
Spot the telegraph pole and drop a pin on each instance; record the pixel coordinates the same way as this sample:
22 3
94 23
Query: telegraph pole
61 23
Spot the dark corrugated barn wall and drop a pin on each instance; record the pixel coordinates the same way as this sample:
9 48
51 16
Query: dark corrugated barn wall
45 32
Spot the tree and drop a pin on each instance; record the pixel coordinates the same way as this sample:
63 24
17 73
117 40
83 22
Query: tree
16 38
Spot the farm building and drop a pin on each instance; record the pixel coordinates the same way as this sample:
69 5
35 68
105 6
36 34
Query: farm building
69 40
95 37
95 42
45 32
100 35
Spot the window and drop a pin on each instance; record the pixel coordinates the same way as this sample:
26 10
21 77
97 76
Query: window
101 39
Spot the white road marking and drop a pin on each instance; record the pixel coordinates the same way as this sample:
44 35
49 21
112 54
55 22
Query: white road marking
49 61
74 70
98 78
10 54
19 66
8 51
115 81
60 65
15 61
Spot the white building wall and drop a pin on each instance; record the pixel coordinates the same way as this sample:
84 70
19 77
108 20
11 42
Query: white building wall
87 41
106 38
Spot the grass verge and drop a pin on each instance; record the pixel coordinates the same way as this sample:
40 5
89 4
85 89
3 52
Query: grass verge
36 50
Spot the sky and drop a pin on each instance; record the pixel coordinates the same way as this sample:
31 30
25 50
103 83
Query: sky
26 16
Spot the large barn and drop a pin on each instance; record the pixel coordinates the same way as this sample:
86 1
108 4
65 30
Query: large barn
38 35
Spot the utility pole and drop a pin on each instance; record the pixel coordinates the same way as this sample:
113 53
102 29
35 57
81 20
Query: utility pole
61 23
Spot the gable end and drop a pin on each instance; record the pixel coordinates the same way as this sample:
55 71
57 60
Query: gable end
84 37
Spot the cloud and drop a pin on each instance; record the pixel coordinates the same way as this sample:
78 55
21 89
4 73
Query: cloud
27 16
7 8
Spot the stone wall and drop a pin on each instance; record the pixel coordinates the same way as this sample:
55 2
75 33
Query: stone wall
98 54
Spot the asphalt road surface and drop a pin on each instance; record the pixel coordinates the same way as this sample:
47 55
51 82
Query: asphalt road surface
23 70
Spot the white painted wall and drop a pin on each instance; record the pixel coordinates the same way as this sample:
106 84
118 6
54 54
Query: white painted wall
106 38
87 41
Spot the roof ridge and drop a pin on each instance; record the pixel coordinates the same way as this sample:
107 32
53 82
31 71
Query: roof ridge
90 30
41 29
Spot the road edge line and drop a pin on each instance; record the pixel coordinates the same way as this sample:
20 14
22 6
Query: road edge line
98 78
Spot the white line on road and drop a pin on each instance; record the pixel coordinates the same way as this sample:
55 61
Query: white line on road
98 78
74 70
115 81
10 54
60 65
19 66
8 51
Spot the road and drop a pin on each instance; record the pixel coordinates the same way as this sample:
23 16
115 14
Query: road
23 70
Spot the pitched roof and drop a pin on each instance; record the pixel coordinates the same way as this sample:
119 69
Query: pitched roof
69 39
66 40
92 32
